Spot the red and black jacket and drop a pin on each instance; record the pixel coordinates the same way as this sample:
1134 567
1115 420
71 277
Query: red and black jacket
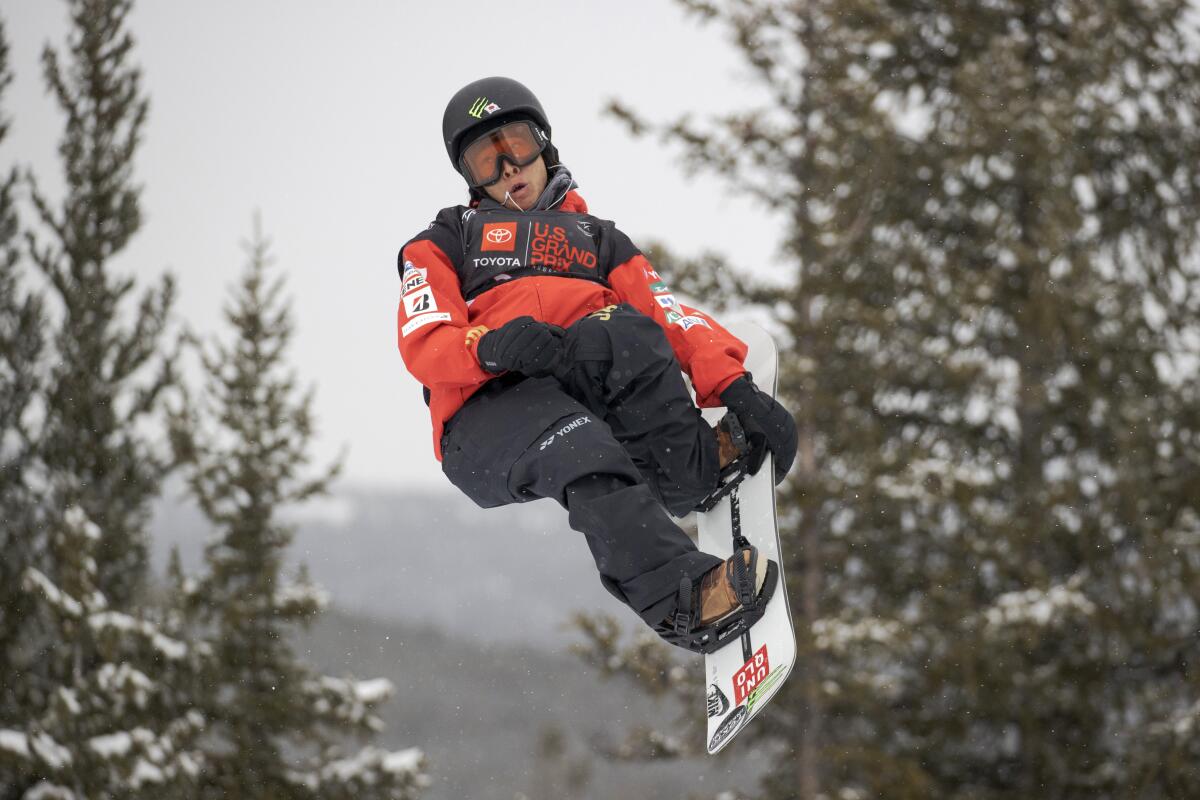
474 269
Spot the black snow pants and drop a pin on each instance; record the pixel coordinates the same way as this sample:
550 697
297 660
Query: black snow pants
614 437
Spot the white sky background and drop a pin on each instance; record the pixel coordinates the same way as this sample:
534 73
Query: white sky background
326 117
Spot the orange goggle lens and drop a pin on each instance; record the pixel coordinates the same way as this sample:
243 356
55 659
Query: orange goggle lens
519 142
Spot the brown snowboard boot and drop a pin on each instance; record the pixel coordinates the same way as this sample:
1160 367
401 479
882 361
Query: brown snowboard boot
731 440
718 597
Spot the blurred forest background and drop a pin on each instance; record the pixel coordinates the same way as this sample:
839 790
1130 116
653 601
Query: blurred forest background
991 340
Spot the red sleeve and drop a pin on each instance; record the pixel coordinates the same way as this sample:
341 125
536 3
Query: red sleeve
435 337
711 356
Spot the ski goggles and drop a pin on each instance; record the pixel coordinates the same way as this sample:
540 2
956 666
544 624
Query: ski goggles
520 142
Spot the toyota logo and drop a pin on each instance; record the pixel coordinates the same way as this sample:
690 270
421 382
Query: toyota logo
499 235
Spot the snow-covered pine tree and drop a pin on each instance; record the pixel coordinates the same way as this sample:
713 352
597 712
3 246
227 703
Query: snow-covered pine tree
90 701
111 718
276 729
992 213
21 345
109 369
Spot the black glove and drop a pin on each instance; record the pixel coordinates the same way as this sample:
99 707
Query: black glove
522 345
768 425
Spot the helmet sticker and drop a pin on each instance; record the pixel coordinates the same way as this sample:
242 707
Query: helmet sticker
481 106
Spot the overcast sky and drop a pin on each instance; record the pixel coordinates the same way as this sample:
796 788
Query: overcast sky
326 117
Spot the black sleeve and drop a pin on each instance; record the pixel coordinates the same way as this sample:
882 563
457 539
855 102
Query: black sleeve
446 232
615 247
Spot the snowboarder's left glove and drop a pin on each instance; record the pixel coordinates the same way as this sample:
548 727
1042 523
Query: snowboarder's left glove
768 425
522 345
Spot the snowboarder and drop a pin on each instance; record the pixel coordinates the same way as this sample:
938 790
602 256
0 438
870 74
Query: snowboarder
551 353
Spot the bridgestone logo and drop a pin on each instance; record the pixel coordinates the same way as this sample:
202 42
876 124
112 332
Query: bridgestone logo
423 320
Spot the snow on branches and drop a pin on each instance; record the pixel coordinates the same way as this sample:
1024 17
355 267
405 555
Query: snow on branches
112 723
1043 607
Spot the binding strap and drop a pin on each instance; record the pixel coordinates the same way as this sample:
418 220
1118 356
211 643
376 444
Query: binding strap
741 575
683 608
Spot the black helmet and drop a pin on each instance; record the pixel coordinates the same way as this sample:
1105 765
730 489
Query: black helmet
485 104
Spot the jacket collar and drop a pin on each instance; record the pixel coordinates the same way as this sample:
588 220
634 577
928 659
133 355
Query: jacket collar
572 203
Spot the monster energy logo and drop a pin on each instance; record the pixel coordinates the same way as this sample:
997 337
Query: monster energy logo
478 107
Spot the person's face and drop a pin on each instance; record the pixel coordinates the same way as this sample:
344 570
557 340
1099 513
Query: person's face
519 187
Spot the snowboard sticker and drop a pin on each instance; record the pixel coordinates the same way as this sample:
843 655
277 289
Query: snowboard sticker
743 675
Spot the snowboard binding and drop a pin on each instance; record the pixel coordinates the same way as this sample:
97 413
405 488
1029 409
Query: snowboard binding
736 470
683 628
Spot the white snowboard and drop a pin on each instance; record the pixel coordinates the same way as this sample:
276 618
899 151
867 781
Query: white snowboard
743 675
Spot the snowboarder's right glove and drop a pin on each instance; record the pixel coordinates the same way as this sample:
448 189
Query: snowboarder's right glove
768 425
522 345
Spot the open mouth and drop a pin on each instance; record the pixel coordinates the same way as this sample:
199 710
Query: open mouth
518 187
